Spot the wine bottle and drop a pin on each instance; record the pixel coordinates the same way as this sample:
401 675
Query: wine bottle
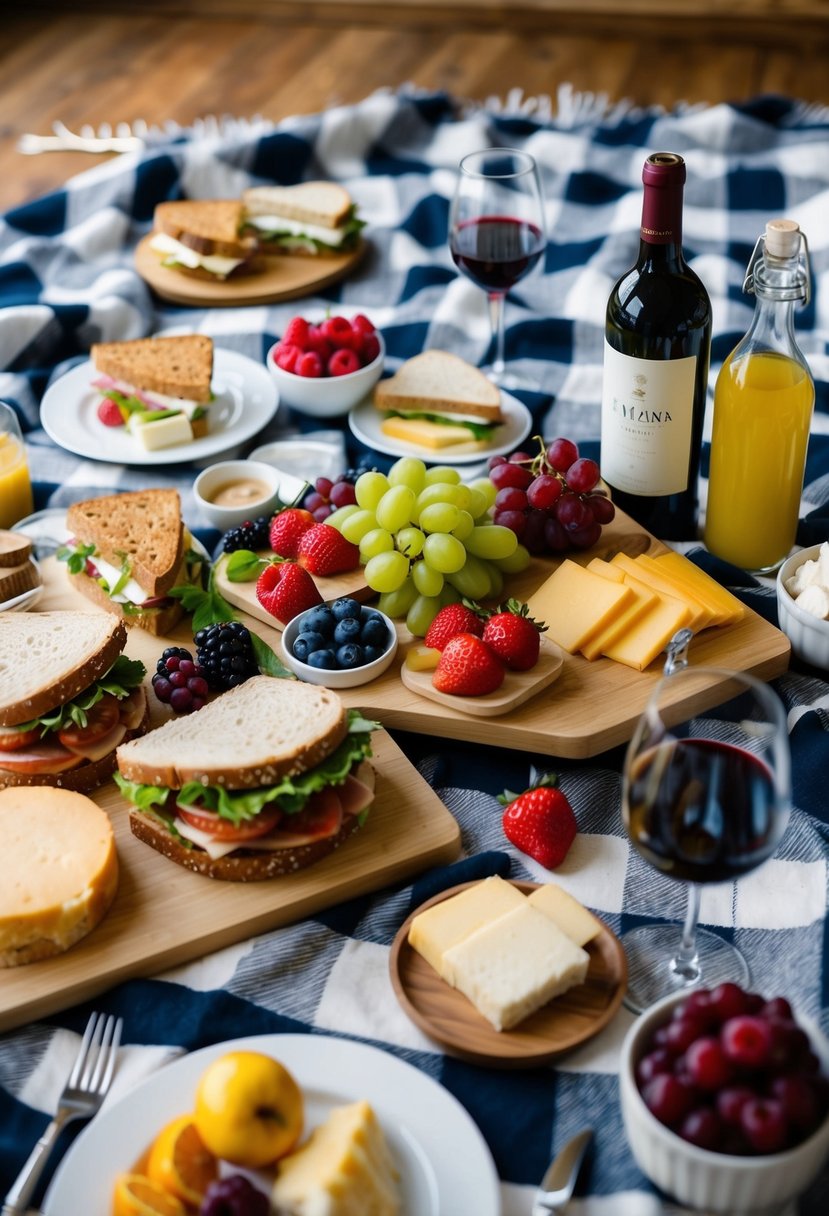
657 349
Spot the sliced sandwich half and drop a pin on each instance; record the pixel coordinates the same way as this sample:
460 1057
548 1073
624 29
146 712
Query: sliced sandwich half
437 400
127 551
159 386
68 697
265 780
310 218
203 238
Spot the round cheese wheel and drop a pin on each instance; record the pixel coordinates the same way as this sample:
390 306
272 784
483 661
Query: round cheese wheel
61 871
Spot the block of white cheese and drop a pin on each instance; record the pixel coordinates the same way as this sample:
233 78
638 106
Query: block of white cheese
442 926
163 432
571 917
514 965
60 871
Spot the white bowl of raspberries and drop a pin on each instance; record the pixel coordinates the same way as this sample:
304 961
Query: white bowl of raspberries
725 1099
325 368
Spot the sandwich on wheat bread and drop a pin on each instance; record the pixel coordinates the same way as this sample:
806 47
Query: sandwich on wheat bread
437 400
309 218
153 380
203 238
68 697
127 551
267 779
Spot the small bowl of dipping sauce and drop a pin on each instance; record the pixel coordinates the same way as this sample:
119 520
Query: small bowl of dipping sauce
232 491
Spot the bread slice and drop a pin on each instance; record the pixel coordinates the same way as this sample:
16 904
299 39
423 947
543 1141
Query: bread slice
437 382
325 204
15 548
60 849
177 366
15 580
206 225
47 658
143 524
253 735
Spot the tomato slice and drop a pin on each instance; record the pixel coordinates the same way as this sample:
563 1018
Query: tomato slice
101 718
222 829
322 816
13 740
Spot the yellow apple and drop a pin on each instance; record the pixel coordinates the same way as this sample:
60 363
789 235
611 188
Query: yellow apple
249 1109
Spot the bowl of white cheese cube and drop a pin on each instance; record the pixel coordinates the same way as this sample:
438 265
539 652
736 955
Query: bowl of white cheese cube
803 603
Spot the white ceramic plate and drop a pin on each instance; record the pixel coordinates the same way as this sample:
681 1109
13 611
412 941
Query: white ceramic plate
365 420
245 400
445 1166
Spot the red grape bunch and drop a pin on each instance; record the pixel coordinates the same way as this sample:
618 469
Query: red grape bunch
552 501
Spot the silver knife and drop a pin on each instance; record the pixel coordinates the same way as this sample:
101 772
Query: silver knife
557 1184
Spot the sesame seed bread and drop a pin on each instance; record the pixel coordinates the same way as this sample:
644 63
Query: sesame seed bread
143 524
251 736
438 382
47 658
325 204
178 366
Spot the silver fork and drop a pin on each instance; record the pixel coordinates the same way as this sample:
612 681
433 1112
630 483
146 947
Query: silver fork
82 1096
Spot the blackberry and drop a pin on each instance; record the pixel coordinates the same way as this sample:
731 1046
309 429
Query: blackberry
252 534
225 652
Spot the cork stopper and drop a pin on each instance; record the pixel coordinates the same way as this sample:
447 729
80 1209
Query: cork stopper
782 238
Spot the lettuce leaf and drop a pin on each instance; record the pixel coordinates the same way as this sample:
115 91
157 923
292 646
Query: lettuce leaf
479 430
123 676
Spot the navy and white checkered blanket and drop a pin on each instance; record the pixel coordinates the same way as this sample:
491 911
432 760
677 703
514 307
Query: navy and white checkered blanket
66 280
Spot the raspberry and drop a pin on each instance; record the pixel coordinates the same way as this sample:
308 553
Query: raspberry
296 333
317 341
309 364
371 348
361 325
338 331
343 362
179 682
109 413
286 357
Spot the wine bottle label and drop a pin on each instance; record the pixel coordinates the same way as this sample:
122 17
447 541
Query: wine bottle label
647 416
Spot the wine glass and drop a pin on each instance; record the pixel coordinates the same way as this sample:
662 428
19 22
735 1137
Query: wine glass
496 231
705 798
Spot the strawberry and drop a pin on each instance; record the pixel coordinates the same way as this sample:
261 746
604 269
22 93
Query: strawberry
468 668
514 635
453 619
323 550
286 529
540 822
110 413
284 590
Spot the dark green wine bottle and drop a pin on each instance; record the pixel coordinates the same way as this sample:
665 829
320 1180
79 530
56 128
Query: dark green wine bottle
657 350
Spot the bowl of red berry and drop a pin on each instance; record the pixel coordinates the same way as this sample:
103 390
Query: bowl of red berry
324 369
725 1099
341 644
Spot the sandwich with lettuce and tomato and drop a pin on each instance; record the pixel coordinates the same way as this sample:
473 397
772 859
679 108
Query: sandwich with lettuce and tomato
309 219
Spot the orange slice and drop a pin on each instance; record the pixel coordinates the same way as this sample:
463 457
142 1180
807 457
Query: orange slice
180 1163
136 1195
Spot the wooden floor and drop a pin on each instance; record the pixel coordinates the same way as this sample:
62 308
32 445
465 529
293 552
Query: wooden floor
91 67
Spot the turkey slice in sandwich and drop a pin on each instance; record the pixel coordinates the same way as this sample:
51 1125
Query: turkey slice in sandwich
68 697
265 780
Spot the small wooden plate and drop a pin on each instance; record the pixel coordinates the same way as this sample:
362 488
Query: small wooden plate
446 1016
518 686
284 278
243 595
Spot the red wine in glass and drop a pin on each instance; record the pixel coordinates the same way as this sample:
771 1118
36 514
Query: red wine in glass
701 810
496 251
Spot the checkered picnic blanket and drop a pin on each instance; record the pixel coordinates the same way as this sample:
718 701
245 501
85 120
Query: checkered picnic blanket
67 279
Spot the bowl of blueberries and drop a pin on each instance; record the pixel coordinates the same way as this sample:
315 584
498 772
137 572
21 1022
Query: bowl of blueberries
340 644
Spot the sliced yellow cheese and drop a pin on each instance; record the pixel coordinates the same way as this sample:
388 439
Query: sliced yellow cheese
642 600
699 616
571 916
60 871
516 964
575 604
726 607
648 636
442 926
681 588
432 435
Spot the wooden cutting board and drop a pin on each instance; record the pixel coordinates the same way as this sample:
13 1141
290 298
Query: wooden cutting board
243 595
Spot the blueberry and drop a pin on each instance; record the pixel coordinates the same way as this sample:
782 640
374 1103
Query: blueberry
326 659
319 620
347 630
312 640
302 649
374 633
345 608
370 653
350 655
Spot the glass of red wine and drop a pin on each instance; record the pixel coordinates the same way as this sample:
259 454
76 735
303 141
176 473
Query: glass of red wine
705 799
496 231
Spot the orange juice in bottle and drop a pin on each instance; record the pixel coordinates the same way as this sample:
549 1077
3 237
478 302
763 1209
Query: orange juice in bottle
762 413
15 487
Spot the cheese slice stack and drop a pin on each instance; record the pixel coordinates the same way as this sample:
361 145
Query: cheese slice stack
60 871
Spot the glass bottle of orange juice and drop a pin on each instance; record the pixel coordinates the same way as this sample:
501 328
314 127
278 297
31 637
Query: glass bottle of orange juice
762 413
15 487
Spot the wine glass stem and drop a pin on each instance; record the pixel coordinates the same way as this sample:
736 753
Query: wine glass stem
685 963
496 320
